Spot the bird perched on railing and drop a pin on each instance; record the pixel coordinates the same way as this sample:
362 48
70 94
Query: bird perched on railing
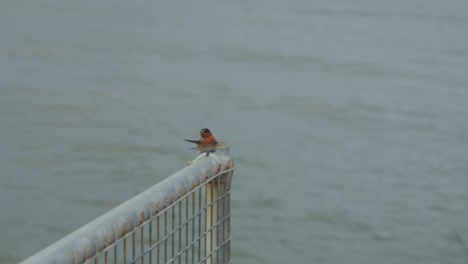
207 142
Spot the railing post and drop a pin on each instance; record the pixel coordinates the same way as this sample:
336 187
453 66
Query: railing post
217 217
223 228
210 220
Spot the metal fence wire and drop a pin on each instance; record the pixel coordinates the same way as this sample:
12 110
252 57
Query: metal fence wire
184 219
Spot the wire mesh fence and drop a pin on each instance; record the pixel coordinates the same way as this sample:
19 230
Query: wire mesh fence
195 228
184 219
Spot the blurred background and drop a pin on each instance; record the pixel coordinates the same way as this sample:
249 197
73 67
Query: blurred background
348 120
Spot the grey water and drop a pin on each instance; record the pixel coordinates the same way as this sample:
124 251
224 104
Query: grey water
348 120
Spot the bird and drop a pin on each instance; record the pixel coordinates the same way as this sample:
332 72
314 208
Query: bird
207 142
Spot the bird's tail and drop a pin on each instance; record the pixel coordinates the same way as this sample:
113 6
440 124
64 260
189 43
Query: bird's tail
193 141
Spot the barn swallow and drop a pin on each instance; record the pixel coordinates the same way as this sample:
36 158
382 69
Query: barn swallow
207 143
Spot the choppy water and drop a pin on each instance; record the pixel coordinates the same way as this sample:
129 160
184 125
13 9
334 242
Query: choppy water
348 119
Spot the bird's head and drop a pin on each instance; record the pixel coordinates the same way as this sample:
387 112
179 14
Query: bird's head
205 132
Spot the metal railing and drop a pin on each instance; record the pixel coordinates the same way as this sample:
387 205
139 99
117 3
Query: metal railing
183 219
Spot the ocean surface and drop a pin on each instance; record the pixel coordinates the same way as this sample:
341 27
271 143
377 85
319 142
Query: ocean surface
348 120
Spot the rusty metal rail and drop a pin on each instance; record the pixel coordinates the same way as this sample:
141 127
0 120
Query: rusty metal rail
183 219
